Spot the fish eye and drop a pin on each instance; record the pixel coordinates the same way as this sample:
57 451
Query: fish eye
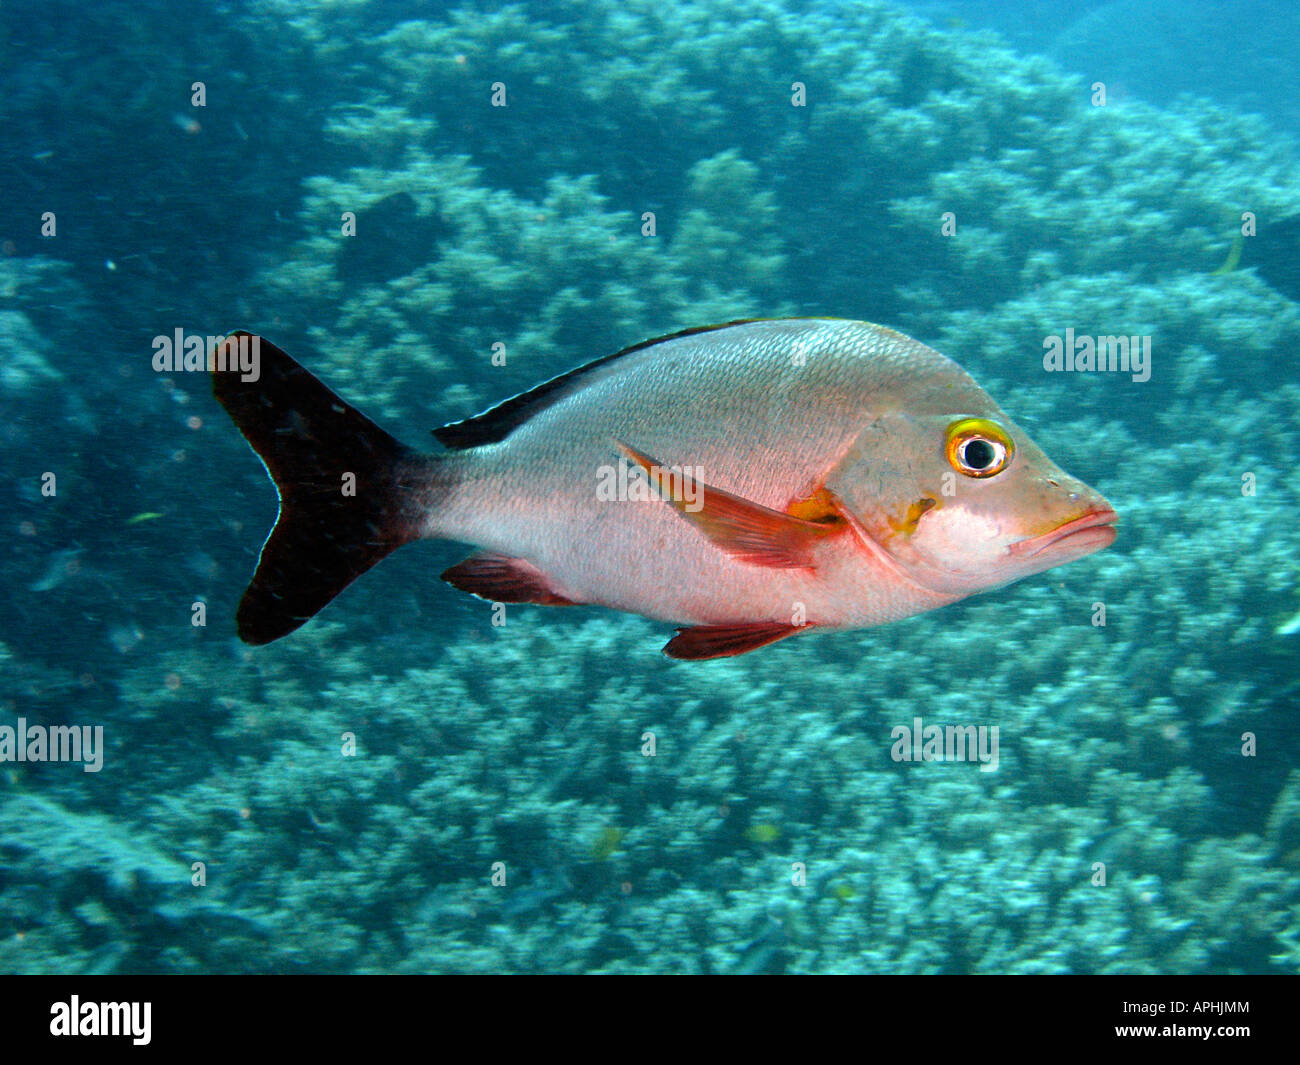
977 447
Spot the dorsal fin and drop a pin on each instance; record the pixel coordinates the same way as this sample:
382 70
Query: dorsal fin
496 423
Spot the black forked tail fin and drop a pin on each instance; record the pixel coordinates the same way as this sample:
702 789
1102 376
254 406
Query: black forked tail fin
349 492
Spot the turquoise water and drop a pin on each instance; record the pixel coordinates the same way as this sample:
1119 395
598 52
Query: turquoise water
403 785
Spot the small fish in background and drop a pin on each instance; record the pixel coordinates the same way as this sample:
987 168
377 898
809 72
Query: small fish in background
125 637
1289 627
607 843
186 123
764 832
749 481
62 566
143 516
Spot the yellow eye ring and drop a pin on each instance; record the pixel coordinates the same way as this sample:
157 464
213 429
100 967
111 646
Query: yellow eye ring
977 447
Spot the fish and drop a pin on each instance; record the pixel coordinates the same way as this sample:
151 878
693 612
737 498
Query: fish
143 516
61 566
746 482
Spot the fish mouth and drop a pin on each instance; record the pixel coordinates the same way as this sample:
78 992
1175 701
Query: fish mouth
1089 532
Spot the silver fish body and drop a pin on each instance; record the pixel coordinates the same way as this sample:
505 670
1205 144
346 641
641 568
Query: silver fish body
749 481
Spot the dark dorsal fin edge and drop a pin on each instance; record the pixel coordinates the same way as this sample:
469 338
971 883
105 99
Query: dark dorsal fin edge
496 423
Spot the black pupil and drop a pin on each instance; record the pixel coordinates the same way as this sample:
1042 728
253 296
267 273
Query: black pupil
979 454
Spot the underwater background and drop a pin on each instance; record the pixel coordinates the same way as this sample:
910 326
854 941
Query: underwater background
228 830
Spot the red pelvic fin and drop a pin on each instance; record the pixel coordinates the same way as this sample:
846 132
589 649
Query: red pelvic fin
747 530
501 579
725 641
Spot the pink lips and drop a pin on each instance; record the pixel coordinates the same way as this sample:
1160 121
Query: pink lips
1089 532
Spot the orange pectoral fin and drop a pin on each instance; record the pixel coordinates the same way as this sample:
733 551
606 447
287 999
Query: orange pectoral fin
747 530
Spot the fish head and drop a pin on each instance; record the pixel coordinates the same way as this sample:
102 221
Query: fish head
962 502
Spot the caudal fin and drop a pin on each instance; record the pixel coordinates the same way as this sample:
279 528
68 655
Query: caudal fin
349 493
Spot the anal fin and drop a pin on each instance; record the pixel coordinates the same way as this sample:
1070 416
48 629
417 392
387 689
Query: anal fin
726 641
502 579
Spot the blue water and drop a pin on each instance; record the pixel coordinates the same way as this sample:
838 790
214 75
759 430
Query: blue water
403 785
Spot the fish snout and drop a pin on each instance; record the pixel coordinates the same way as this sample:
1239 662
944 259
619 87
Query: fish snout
1088 525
